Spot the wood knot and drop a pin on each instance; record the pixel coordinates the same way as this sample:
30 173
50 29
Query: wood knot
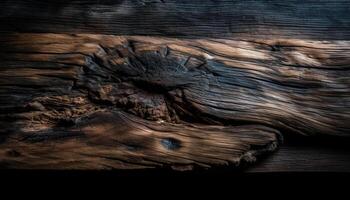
171 143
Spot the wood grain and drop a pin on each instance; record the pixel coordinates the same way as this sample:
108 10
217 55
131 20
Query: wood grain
129 84
312 154
294 19
89 101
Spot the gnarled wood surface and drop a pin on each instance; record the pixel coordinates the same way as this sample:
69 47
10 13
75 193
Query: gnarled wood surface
178 84
103 101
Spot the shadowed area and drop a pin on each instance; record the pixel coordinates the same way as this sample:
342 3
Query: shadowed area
297 19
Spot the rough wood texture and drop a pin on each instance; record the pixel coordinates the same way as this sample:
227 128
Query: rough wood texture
145 83
101 101
302 19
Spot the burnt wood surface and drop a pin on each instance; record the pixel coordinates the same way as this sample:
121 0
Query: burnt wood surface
175 84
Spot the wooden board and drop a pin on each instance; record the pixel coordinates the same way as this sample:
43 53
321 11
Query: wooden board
174 84
321 19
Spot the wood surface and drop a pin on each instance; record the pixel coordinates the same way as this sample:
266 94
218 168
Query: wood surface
300 154
174 84
267 19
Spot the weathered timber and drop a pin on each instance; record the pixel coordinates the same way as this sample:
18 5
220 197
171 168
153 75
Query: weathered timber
102 101
295 19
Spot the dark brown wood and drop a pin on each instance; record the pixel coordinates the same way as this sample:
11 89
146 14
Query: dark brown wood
310 154
67 99
309 19
174 84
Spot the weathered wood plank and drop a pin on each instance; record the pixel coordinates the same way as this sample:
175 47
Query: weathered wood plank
321 19
104 101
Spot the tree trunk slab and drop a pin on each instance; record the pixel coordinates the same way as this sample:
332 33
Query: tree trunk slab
94 101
